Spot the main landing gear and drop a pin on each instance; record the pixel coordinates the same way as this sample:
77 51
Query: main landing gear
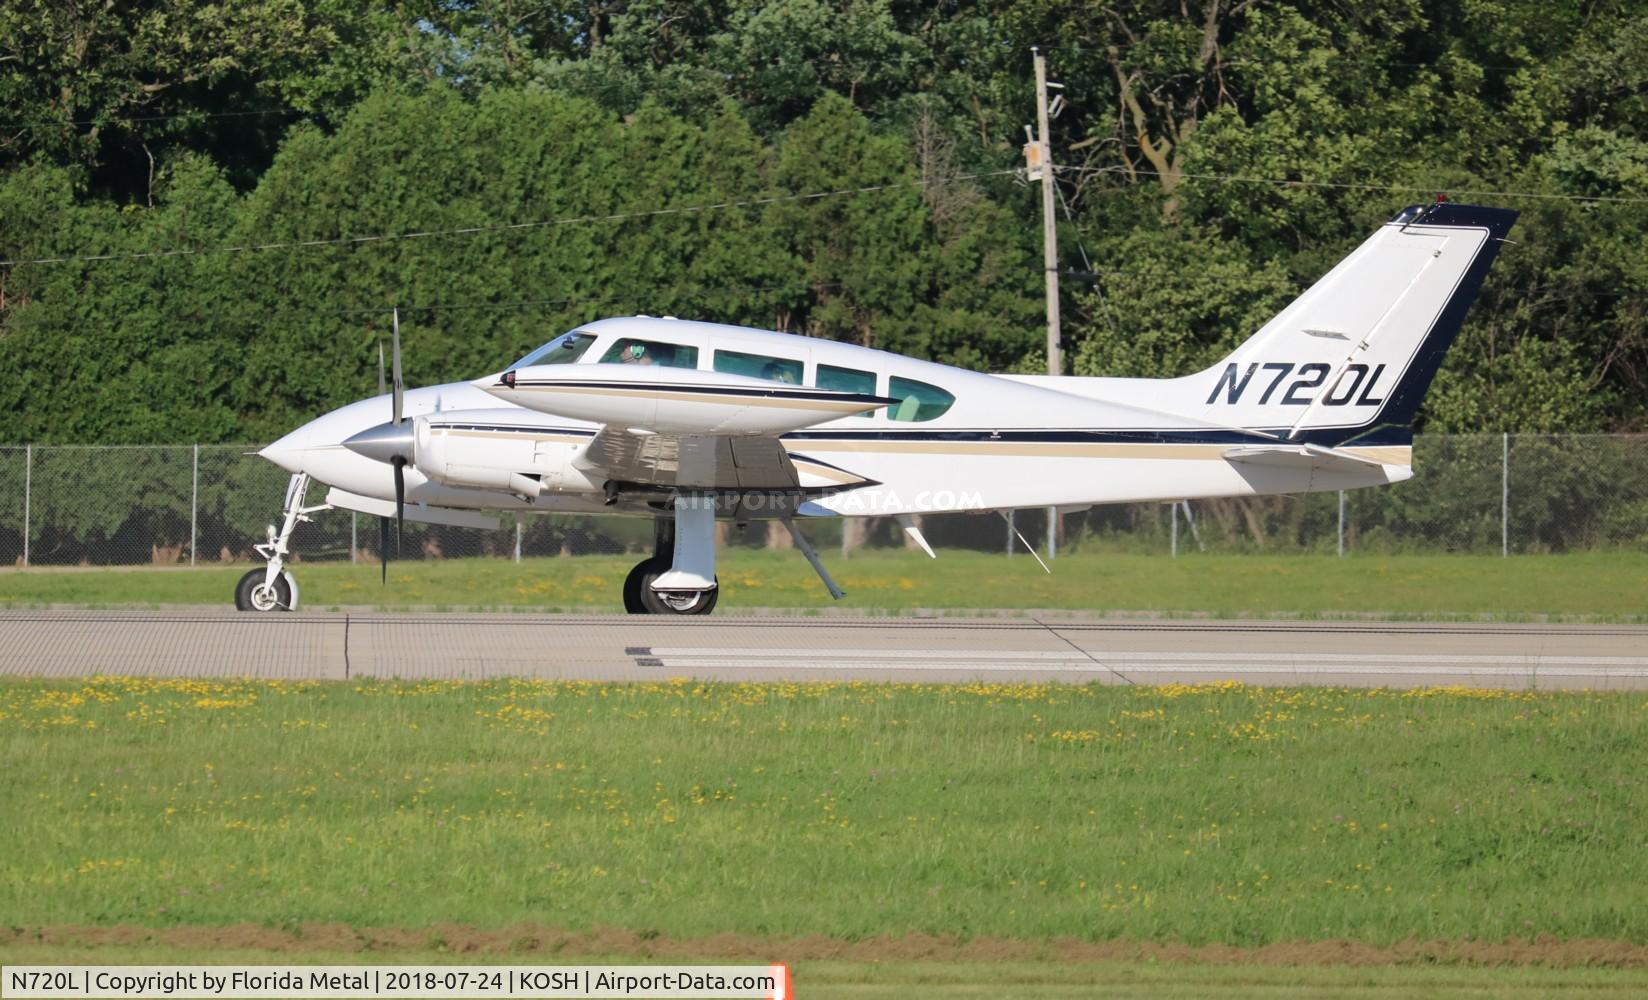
679 577
273 588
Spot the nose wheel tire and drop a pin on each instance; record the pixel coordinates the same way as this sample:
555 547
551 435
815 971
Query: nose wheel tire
641 599
251 594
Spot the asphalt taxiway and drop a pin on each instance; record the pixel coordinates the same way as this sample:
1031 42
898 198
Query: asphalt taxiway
346 645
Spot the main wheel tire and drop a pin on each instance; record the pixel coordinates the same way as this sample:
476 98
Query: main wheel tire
641 599
679 602
252 595
632 585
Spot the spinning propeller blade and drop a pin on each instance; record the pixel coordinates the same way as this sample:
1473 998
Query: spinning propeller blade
400 387
396 462
399 464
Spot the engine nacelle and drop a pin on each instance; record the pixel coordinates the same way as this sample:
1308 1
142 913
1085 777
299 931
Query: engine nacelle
494 451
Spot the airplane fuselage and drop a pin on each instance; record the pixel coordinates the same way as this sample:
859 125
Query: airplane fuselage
980 442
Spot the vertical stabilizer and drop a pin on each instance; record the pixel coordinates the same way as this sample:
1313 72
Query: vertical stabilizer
1353 356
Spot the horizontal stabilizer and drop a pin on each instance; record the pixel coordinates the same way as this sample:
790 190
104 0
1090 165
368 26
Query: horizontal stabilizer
420 512
1301 456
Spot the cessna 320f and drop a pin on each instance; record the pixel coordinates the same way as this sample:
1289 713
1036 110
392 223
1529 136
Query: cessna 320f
685 422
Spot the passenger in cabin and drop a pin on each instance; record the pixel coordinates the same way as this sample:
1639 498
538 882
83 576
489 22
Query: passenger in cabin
775 372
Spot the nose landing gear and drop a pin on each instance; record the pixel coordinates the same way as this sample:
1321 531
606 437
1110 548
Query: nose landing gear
273 588
255 593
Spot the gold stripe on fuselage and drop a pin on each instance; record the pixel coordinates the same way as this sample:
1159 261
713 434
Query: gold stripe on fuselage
1016 449
1386 455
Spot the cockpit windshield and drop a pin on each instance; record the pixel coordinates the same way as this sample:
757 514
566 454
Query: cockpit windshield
563 350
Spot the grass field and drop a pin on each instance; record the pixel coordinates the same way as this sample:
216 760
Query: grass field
1603 586
996 980
842 813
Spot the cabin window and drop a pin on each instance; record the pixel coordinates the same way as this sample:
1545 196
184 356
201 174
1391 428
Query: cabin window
630 351
846 380
917 400
563 350
760 366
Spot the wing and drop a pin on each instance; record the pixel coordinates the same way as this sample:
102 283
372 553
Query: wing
681 401
670 428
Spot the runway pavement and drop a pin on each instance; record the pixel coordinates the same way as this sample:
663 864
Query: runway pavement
341 646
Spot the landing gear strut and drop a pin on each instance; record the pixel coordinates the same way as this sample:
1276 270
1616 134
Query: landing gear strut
679 578
273 588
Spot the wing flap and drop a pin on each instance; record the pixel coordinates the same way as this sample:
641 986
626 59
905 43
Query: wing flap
708 462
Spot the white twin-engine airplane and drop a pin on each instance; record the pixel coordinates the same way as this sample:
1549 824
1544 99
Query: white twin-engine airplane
685 422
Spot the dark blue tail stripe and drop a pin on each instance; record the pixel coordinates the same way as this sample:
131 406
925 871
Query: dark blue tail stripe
1403 402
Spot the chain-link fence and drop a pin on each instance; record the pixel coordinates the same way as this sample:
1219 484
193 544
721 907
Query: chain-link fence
93 505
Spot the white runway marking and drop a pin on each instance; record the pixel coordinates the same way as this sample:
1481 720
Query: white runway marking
1150 662
1109 656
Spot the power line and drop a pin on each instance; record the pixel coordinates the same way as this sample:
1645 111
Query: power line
1360 64
744 292
1433 189
110 119
505 227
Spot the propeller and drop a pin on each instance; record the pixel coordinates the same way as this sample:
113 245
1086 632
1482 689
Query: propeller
391 443
397 461
383 548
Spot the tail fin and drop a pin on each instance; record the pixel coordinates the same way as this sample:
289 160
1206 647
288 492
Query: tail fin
1353 356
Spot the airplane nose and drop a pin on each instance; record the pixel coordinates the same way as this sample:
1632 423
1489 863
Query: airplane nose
384 442
286 452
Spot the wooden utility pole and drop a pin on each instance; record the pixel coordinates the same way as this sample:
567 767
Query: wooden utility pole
1049 241
1049 255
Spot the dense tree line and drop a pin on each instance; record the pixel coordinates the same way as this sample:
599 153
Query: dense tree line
652 156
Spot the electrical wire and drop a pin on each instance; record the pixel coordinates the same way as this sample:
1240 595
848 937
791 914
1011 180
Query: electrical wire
1124 46
1289 182
112 119
501 228
744 292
